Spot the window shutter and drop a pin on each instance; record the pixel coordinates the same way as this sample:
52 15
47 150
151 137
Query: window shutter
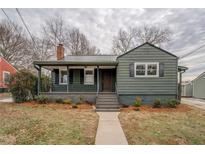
131 69
56 71
82 76
161 69
71 76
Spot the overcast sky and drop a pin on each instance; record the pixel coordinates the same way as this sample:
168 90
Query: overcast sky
99 25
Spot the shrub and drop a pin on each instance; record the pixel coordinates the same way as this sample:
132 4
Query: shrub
67 101
22 86
172 103
42 99
178 102
59 100
138 101
157 103
74 106
80 99
46 83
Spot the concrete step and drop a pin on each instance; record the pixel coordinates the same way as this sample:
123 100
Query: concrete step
107 110
107 99
110 96
107 93
107 106
107 103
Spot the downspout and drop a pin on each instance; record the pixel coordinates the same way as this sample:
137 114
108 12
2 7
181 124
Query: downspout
180 84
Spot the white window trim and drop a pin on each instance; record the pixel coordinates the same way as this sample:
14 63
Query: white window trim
89 69
146 64
4 76
60 76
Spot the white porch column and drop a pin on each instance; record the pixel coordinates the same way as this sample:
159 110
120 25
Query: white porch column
67 78
98 79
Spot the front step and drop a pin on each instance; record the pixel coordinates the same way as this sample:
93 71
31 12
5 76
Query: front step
107 110
107 102
107 106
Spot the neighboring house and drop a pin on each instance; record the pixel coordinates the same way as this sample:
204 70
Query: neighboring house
146 71
6 70
187 89
199 86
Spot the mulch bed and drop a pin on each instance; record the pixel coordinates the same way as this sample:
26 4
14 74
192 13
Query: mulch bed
149 108
53 105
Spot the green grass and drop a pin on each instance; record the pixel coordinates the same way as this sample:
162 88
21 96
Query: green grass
21 124
145 127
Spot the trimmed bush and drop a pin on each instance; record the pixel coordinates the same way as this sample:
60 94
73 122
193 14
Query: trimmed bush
42 99
178 102
81 99
74 106
138 102
67 101
172 103
59 100
157 103
22 86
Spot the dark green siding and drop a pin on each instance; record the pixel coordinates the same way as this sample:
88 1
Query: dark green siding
147 86
76 85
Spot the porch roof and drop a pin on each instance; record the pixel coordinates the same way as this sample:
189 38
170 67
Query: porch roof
108 60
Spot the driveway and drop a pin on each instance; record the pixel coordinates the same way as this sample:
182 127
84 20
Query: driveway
200 103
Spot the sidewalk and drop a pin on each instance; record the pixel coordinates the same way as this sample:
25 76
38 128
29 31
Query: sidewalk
109 130
200 103
6 100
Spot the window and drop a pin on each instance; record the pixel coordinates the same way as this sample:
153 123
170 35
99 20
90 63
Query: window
147 69
151 69
6 77
63 76
140 70
89 76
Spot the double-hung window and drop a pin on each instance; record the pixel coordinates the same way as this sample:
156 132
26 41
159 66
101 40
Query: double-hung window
6 77
89 76
63 76
146 69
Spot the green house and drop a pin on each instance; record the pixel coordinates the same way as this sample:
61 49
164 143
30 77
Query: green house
146 71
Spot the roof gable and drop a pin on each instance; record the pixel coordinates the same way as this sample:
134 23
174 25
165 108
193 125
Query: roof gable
147 43
5 61
198 77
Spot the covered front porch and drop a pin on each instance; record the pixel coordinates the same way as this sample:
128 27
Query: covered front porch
67 77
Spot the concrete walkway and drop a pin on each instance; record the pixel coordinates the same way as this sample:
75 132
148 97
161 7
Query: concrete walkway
200 103
109 130
6 100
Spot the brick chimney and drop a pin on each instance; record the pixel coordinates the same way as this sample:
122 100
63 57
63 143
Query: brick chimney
60 52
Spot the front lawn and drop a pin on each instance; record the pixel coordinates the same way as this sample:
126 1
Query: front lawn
46 124
183 125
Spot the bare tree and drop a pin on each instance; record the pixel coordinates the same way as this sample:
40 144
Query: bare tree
43 49
13 44
78 44
56 30
128 39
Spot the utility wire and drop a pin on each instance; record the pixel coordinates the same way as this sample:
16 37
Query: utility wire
195 50
24 23
10 20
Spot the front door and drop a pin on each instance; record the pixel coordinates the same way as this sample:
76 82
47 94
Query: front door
107 80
